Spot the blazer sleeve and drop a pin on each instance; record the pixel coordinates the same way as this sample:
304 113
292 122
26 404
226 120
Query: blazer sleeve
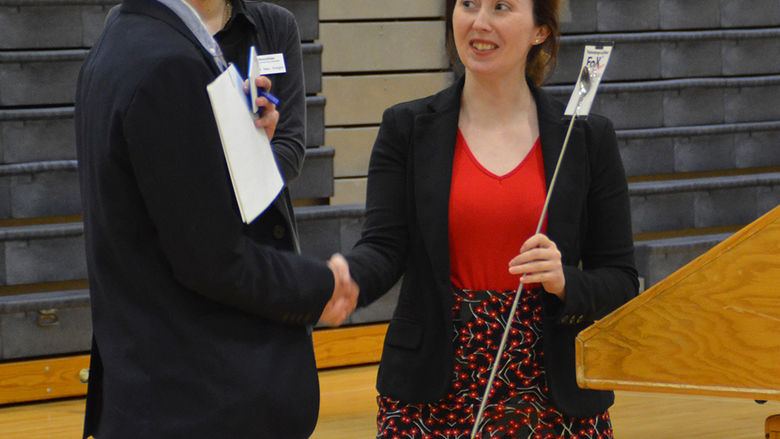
379 257
289 141
608 277
174 149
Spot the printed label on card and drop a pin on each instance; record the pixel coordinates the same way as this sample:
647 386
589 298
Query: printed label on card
594 63
271 64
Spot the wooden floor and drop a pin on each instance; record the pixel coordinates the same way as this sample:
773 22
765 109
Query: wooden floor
348 410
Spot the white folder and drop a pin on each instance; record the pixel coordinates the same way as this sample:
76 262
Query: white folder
250 159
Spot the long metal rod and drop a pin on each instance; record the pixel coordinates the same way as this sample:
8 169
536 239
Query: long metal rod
515 302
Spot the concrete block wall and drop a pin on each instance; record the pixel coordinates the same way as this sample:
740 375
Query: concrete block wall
375 54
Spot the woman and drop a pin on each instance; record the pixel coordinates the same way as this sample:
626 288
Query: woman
271 29
456 184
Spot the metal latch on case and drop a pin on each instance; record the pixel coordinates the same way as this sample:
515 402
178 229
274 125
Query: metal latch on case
48 318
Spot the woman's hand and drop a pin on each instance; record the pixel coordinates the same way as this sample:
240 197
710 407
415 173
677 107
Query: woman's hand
539 261
269 117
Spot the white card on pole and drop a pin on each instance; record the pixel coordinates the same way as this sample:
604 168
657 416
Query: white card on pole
596 58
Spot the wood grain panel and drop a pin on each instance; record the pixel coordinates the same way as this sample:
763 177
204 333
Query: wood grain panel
349 346
348 410
349 191
42 379
645 415
386 46
353 149
711 328
360 100
379 9
38 380
51 420
772 427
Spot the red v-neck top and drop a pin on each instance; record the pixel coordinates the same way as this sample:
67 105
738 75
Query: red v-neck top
490 217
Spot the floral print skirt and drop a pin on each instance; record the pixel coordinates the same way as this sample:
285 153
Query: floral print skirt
518 405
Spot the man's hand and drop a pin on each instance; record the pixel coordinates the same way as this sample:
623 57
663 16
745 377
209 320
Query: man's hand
345 293
269 117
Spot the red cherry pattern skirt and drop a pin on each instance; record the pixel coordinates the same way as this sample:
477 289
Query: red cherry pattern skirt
518 406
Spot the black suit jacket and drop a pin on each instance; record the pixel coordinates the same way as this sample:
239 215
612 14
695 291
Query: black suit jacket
201 323
406 232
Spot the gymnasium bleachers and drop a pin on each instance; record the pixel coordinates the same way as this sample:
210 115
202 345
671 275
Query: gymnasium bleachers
44 300
693 89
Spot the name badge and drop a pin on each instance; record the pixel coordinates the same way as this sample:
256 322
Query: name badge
271 64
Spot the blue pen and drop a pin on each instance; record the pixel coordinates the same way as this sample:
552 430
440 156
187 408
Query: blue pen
266 94
254 72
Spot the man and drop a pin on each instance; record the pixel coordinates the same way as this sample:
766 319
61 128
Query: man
202 325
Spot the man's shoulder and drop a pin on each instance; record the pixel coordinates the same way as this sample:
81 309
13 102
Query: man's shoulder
142 42
136 52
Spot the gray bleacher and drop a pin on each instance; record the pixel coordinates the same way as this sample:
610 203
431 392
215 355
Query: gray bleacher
693 89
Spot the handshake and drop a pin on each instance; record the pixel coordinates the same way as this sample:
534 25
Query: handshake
345 293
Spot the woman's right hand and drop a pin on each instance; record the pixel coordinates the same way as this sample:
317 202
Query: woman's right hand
539 261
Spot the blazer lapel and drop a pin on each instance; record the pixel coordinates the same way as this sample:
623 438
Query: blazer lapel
567 196
552 131
433 146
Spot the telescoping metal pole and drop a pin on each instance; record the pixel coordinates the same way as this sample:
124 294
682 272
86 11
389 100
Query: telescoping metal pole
585 84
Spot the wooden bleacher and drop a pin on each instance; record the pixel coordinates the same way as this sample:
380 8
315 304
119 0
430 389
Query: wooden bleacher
63 377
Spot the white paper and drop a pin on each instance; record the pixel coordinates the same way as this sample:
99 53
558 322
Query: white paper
254 72
596 57
253 170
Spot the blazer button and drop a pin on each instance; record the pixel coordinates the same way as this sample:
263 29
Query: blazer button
279 232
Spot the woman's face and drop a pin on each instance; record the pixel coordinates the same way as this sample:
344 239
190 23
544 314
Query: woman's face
493 37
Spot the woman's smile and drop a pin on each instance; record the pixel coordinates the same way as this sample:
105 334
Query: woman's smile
482 45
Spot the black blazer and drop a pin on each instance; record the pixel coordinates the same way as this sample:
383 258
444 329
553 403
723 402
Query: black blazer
406 232
201 323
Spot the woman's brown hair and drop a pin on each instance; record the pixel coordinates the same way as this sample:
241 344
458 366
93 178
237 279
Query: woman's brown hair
542 57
